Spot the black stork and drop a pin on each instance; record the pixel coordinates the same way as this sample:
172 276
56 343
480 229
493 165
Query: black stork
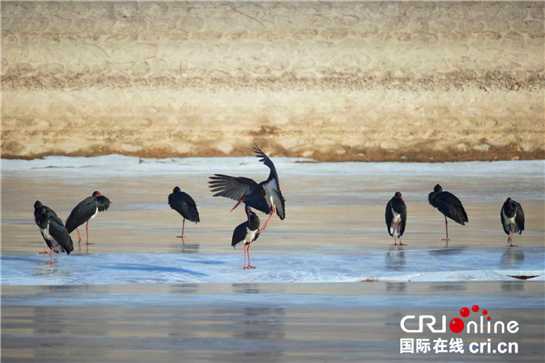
449 205
185 205
86 210
255 199
512 219
396 217
39 209
55 234
247 232
245 189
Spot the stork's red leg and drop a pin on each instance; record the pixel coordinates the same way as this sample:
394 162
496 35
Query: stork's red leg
446 227
392 226
52 255
267 222
249 263
183 226
399 238
79 240
510 239
45 250
244 246
87 230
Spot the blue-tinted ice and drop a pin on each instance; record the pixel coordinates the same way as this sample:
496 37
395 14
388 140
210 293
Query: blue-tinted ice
394 265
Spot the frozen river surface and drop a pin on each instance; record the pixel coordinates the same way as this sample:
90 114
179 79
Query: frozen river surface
397 264
328 286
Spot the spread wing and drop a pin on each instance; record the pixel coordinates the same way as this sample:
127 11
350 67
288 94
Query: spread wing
231 187
280 206
259 203
268 162
389 217
61 235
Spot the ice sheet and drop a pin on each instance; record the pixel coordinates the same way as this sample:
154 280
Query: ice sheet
393 265
126 165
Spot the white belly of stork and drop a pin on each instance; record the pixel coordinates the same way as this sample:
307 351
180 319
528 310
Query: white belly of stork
250 235
395 222
510 221
56 246
46 234
94 215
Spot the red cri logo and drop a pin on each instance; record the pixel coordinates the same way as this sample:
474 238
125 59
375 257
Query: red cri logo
457 325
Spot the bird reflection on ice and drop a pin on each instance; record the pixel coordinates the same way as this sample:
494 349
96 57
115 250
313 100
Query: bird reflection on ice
512 257
395 258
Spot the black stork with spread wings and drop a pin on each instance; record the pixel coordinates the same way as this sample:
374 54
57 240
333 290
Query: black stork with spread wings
251 193
449 205
396 217
512 219
185 205
86 210
53 231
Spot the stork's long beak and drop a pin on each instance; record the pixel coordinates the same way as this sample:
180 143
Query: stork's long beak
240 201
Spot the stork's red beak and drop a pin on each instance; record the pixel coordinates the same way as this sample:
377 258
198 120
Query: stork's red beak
240 201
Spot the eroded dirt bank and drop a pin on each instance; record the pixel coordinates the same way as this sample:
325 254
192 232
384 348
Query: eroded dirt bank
332 81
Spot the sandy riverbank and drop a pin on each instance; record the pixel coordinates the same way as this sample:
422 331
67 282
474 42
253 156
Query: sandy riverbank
339 81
